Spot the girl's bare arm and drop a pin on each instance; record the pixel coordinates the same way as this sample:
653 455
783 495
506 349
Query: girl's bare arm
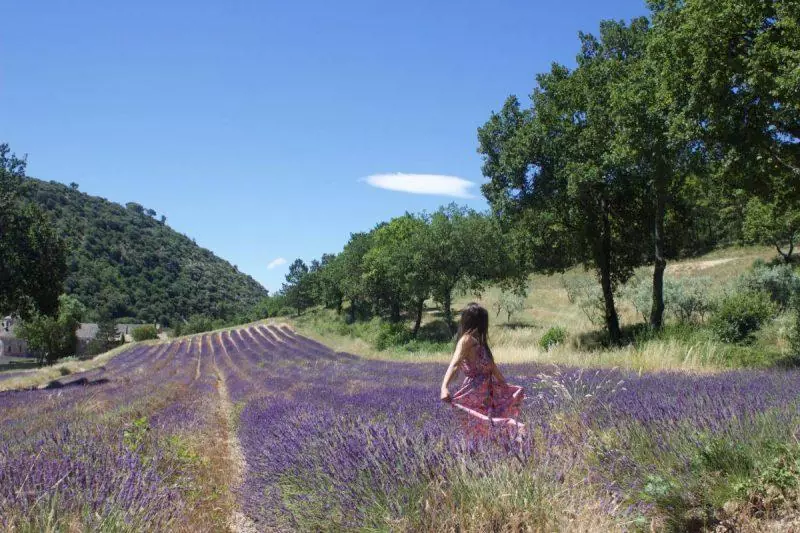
462 348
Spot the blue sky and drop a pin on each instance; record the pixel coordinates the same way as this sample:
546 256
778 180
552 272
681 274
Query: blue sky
254 125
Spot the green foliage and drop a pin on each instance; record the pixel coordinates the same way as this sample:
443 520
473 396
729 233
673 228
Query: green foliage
794 337
510 302
553 337
144 333
553 168
467 249
728 70
740 315
106 338
134 435
32 255
269 306
297 291
773 222
199 324
391 334
51 338
781 282
688 299
392 270
589 297
397 271
381 334
124 263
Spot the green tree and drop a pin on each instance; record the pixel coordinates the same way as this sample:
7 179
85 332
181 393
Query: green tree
51 338
650 138
327 290
297 289
105 339
32 255
144 333
771 223
729 70
350 268
463 248
398 262
554 175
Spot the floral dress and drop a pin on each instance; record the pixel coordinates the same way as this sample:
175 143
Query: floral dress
488 401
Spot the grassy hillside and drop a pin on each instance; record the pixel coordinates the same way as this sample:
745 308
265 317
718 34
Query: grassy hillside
125 262
547 305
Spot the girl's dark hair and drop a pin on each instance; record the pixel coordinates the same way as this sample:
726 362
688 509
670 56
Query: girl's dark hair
475 319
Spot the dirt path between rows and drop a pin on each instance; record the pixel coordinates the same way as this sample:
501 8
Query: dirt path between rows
693 266
237 522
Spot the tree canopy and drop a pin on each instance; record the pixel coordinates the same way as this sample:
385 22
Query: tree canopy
32 255
666 131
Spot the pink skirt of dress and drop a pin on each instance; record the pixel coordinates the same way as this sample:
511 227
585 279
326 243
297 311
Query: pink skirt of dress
489 405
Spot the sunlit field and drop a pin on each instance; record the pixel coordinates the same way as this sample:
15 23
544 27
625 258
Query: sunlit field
261 429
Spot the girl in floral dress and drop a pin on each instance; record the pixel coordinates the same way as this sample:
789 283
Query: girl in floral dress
485 400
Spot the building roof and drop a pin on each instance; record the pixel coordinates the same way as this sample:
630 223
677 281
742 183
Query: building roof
128 328
87 331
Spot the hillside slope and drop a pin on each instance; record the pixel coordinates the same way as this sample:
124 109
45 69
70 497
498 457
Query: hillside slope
126 263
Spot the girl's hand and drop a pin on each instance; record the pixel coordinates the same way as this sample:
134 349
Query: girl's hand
445 395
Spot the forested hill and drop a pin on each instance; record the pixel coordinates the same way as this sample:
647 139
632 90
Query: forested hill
126 262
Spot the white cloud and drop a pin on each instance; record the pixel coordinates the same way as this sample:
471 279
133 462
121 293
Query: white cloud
423 184
276 263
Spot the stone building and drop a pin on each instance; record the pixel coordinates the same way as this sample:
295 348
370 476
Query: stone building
10 344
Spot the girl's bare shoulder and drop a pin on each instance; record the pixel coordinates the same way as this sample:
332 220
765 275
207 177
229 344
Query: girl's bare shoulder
467 341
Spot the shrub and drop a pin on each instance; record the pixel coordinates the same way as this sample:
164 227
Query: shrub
794 337
689 299
510 302
781 282
553 337
740 315
198 324
587 294
391 334
639 292
144 333
52 338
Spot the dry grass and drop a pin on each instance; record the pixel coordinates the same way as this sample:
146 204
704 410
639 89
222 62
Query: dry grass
42 376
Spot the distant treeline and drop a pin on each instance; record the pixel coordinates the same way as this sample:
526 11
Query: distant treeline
674 133
392 270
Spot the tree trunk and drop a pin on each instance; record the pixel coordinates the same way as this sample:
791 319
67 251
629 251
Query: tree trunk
660 262
352 311
418 323
611 318
447 303
395 311
787 257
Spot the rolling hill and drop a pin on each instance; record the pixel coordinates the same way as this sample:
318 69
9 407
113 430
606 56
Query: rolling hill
126 263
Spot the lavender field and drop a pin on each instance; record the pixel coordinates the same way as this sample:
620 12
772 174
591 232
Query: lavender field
261 429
